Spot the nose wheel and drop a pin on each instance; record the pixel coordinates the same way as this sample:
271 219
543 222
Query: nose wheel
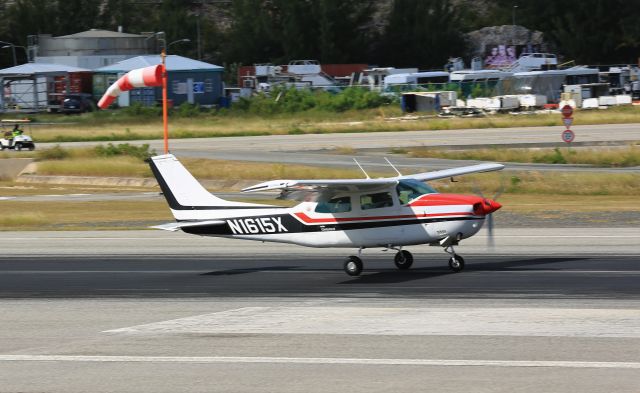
456 262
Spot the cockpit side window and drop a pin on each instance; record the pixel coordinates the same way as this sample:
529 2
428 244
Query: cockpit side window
376 201
334 205
410 189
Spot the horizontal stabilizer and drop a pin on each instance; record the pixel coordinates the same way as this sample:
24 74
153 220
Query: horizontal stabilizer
174 226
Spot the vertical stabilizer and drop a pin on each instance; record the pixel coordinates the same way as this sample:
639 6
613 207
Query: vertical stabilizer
182 190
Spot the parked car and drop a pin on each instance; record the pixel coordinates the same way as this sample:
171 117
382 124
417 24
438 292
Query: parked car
77 103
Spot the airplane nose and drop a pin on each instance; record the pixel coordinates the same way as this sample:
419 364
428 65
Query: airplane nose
486 206
490 206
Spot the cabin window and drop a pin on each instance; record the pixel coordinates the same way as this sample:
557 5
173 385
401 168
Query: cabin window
410 189
335 205
376 201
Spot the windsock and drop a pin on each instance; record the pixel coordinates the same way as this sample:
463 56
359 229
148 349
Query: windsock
142 77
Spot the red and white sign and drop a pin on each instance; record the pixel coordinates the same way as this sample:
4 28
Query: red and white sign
141 77
568 136
567 111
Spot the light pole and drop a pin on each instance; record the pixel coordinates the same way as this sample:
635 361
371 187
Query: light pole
13 51
513 15
177 42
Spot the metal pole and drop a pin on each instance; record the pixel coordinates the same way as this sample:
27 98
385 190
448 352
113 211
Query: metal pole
513 15
165 121
198 39
15 59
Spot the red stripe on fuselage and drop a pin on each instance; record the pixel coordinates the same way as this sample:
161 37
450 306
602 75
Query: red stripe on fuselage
332 220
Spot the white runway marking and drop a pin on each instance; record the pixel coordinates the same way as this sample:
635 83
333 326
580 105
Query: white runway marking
456 321
355 361
6 198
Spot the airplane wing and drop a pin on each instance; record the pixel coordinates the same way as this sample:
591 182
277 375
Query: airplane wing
465 170
300 189
319 185
174 226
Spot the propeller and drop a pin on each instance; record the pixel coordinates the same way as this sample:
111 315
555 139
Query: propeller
489 218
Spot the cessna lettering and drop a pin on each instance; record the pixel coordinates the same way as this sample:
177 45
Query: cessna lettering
257 225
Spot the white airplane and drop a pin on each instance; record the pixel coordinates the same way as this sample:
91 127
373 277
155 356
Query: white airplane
389 213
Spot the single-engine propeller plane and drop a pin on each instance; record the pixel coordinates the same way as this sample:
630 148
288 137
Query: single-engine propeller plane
387 213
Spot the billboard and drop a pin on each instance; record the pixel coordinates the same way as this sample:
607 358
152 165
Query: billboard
503 55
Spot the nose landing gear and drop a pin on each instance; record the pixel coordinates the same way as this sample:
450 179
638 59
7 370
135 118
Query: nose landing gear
456 262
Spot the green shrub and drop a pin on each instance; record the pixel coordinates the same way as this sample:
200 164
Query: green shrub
187 110
124 149
54 153
292 100
137 109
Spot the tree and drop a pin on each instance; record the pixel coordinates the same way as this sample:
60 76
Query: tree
74 16
132 17
253 37
422 33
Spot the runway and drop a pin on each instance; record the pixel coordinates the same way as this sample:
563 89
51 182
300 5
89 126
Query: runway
505 276
550 310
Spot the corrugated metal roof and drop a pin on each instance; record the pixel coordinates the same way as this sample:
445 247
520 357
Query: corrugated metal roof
174 63
98 33
40 68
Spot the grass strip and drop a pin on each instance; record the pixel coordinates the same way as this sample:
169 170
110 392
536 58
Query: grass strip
113 126
603 157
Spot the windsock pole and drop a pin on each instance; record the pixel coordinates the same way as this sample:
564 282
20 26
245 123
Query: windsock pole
165 121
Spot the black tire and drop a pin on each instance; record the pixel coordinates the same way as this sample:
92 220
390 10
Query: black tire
18 146
32 147
456 263
353 266
2 147
403 260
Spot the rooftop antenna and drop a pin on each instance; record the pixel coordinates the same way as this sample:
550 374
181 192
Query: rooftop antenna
361 168
392 166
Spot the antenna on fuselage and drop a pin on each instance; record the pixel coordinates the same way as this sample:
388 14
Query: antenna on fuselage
361 168
392 166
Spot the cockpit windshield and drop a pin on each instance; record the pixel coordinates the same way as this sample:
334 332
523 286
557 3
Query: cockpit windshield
409 189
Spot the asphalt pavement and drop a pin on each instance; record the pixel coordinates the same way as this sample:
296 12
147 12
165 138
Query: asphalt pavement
548 310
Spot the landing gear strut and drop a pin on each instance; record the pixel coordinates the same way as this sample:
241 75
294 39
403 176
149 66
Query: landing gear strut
456 262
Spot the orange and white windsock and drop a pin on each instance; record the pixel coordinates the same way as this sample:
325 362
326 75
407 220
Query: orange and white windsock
142 77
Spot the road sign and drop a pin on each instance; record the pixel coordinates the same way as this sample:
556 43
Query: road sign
568 121
567 111
198 87
568 136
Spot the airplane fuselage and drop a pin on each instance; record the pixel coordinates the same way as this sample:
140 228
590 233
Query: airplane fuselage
427 219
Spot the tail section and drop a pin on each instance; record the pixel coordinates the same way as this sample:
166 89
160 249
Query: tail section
184 192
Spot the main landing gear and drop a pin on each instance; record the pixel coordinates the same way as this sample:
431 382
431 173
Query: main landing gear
403 260
353 264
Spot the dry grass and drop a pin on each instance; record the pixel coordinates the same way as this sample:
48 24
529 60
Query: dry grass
545 183
118 167
611 157
30 219
10 188
84 215
111 128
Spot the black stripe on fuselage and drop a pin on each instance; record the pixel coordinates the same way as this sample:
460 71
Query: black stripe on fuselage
175 205
292 225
